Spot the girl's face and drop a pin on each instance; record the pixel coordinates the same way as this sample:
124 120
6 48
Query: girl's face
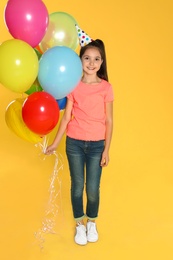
91 61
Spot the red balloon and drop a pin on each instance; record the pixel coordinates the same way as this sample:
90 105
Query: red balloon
40 112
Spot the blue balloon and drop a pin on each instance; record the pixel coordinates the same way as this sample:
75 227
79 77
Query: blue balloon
60 70
62 103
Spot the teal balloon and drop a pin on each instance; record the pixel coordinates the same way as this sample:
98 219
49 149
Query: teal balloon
60 70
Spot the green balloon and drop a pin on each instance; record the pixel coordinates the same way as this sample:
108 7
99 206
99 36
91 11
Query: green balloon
38 53
61 31
34 88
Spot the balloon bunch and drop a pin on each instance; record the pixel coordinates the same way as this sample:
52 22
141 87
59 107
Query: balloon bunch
40 62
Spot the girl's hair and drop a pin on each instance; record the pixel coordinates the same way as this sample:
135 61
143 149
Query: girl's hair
102 73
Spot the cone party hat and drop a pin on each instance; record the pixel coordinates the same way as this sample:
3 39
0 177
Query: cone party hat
84 39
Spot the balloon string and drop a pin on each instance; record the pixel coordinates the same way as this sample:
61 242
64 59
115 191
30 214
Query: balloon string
52 210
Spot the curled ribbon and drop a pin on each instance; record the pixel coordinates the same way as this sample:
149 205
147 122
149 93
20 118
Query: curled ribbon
52 209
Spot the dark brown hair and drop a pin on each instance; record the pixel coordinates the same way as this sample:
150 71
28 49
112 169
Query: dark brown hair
102 73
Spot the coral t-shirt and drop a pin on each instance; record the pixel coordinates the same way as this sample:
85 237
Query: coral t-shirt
88 113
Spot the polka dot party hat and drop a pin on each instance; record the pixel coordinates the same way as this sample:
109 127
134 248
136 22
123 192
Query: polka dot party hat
84 39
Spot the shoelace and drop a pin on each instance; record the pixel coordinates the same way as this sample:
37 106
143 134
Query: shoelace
81 230
92 228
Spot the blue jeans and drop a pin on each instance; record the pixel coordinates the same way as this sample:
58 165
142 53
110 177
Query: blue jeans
84 157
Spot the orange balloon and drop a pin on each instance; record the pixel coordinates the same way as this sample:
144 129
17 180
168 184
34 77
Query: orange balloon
38 49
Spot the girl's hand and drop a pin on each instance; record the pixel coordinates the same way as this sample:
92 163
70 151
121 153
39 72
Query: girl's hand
50 149
105 159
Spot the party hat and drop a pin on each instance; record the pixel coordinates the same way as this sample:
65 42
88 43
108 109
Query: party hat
84 39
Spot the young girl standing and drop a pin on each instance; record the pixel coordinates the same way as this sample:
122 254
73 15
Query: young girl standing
88 123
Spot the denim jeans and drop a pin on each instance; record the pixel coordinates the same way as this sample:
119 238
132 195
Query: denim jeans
84 163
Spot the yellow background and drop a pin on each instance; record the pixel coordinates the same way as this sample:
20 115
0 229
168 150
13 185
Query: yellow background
136 212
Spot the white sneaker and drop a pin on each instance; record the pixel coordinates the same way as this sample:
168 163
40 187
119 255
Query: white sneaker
92 235
80 237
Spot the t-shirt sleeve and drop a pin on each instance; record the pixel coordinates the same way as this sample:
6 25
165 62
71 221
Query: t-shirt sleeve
109 94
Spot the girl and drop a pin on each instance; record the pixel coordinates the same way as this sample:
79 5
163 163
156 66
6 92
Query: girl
88 123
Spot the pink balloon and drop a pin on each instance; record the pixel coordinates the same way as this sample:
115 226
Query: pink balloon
27 20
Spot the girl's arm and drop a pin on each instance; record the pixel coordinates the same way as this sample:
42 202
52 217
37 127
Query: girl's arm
108 135
62 128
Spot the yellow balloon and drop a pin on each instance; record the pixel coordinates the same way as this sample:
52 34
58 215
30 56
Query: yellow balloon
14 121
18 65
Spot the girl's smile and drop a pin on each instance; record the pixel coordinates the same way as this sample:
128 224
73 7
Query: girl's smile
91 60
